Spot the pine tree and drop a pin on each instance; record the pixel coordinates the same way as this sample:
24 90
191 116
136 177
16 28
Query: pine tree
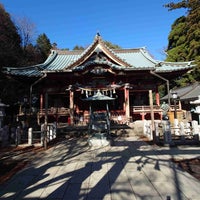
9 40
184 38
44 45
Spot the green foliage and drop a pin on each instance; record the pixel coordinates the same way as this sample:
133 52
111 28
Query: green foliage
177 34
177 54
184 38
14 52
77 47
162 89
10 41
31 56
111 45
44 45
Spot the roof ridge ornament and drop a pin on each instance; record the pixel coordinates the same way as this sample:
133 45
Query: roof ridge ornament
98 36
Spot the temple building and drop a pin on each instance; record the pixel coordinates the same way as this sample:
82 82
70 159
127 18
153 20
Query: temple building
126 75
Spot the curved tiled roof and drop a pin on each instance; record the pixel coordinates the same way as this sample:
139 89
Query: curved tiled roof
173 66
137 58
32 71
124 59
61 61
189 92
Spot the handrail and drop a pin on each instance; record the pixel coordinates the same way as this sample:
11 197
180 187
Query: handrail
155 108
146 108
55 111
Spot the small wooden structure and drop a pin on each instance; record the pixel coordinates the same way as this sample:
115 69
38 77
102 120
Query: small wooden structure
184 108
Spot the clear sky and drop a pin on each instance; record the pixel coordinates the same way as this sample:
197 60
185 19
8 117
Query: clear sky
127 23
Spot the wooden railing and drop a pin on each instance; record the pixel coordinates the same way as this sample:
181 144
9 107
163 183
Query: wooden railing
55 111
139 109
144 112
115 116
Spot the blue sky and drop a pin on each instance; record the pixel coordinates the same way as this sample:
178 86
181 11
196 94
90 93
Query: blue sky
128 23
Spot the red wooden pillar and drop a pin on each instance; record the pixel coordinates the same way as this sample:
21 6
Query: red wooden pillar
41 103
143 115
157 97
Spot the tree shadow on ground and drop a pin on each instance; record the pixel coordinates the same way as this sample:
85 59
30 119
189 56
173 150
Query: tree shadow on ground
130 169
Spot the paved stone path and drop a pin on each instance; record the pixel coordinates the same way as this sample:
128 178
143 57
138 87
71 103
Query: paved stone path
129 169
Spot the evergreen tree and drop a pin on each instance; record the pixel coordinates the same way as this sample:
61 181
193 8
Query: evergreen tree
44 45
31 56
111 45
77 47
184 38
9 40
